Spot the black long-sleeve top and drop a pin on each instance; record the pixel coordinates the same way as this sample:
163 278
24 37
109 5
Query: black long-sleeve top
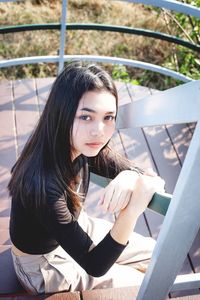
40 233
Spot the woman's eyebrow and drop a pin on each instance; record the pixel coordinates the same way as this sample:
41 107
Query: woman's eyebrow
93 111
88 109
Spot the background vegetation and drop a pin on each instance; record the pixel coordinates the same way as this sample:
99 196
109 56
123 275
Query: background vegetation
101 43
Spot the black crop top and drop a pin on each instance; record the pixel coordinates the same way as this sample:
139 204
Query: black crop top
40 233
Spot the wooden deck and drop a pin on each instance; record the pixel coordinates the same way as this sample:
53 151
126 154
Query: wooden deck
163 148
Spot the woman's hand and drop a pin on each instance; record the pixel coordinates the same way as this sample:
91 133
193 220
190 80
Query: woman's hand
146 185
129 194
131 191
117 194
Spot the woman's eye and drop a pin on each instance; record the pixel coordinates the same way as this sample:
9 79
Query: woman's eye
110 118
85 118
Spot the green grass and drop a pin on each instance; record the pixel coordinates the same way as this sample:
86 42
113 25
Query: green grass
85 42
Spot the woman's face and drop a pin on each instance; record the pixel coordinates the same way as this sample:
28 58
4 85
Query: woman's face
94 123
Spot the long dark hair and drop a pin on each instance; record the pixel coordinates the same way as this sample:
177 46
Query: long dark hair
49 149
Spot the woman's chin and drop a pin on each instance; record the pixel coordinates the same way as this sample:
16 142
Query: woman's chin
92 153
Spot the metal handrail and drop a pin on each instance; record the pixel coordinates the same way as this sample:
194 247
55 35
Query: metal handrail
177 6
9 0
62 35
102 27
103 59
169 4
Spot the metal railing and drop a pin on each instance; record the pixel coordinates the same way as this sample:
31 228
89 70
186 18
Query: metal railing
64 27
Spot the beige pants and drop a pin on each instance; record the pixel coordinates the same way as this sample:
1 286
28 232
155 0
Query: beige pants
57 271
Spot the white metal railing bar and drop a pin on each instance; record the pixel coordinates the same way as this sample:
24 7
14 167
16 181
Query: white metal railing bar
62 35
177 6
102 59
186 282
180 226
167 107
9 0
171 4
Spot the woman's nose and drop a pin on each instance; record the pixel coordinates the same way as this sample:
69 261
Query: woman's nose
97 129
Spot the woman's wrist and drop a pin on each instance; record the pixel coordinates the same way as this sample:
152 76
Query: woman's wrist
123 226
129 212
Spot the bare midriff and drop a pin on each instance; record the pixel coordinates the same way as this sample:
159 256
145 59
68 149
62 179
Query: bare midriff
18 252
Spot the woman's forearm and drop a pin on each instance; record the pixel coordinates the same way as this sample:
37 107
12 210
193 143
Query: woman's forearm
123 226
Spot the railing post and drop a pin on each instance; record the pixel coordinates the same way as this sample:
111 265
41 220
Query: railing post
62 35
179 229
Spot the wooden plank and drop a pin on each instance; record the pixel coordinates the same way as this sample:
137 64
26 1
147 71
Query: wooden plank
27 110
137 92
4 222
7 137
192 127
7 144
57 296
164 155
127 293
43 86
64 296
180 135
7 156
5 207
5 237
123 95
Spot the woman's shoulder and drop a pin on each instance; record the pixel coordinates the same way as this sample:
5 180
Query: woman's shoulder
53 187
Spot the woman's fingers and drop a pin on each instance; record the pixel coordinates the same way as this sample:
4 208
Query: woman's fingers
125 201
106 198
113 199
150 172
129 186
119 201
146 187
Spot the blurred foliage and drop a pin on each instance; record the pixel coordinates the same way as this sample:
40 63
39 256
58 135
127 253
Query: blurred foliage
185 27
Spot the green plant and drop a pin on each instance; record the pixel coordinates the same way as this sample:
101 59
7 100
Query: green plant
185 27
120 73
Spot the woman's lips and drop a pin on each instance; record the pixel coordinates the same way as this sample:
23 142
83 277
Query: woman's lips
94 145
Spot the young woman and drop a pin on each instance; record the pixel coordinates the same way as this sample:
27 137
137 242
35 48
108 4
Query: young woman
56 245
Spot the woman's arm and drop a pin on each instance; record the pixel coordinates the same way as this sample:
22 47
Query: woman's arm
145 187
109 164
60 224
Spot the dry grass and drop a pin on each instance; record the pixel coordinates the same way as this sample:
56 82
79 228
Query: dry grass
79 42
